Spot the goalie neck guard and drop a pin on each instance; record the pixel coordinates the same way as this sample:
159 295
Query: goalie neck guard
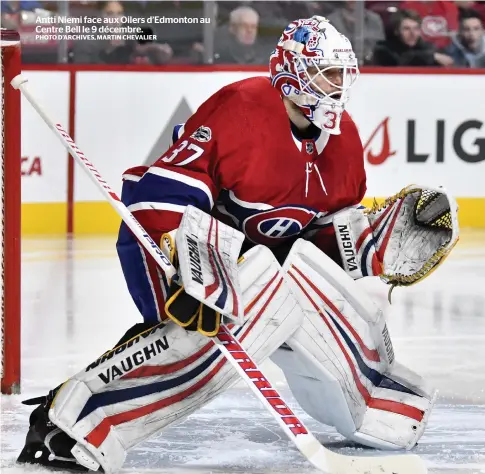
308 51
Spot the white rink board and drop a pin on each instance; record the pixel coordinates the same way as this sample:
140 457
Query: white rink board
120 117
133 109
425 100
51 88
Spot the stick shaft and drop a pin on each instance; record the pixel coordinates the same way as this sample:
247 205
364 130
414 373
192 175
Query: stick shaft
129 219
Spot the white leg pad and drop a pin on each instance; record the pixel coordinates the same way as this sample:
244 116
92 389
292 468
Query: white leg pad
341 368
162 376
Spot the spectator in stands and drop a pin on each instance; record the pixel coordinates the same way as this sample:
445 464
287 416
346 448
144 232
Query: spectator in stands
13 6
343 18
271 14
464 5
120 51
11 10
405 46
238 42
468 45
307 9
277 14
384 8
182 38
439 20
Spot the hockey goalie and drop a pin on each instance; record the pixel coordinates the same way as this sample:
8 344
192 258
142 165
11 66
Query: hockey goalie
257 205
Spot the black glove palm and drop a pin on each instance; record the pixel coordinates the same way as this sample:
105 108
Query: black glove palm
190 313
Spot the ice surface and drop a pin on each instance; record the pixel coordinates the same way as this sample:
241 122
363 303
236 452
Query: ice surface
75 306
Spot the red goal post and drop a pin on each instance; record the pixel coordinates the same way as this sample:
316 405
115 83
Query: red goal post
10 213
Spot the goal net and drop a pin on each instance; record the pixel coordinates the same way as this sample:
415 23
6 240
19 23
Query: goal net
10 213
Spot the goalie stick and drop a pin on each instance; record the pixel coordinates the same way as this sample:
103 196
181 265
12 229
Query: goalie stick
322 458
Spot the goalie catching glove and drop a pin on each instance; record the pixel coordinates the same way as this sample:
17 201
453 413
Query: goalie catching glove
402 240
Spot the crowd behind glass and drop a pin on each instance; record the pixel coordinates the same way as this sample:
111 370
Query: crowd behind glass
383 33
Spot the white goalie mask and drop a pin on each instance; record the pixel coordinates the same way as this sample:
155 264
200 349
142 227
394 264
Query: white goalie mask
314 66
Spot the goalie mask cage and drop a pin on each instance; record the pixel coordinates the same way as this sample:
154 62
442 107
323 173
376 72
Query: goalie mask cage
10 213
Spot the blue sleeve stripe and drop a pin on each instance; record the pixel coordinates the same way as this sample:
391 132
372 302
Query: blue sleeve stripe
183 179
153 189
178 131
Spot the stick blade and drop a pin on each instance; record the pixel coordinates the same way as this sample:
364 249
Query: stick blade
333 463
403 464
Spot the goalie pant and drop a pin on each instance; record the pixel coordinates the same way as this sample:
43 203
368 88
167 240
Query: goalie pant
115 404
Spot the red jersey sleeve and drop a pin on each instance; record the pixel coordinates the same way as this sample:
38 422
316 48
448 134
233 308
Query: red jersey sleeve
188 172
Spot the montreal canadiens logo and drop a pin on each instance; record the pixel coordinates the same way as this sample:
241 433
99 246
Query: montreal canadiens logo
278 228
273 227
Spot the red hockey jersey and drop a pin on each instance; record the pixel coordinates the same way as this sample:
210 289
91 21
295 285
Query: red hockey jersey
238 157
